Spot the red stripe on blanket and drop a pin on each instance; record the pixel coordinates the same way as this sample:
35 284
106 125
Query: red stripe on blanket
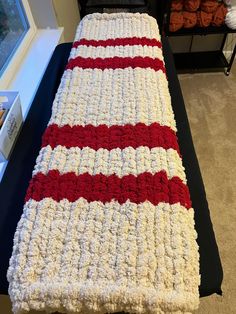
116 136
144 187
131 41
116 63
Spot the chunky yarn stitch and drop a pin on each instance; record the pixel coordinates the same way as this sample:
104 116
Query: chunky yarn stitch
108 224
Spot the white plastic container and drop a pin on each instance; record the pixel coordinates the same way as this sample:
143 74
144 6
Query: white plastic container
12 123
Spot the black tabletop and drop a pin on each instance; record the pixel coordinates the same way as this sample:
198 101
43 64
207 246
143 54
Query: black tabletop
19 170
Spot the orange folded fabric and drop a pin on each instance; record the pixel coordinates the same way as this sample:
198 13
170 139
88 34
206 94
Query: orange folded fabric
203 18
190 19
209 6
176 21
177 5
191 5
219 16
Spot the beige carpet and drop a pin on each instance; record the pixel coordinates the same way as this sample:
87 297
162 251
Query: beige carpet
210 100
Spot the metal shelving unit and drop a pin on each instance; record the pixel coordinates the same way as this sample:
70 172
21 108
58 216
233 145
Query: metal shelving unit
205 60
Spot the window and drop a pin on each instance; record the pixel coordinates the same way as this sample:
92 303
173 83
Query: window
13 27
17 30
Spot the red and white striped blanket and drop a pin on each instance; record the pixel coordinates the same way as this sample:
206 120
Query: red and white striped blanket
107 224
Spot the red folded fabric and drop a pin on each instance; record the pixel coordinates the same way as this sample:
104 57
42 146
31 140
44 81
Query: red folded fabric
177 5
176 21
190 19
219 16
191 5
203 18
209 6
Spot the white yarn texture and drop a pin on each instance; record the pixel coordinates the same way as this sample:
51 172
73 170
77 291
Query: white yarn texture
87 255
230 19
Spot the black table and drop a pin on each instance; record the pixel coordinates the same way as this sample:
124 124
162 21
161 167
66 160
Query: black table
19 170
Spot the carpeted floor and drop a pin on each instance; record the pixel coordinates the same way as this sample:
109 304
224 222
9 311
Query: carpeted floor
210 100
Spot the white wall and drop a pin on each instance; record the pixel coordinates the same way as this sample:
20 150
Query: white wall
43 13
68 16
56 13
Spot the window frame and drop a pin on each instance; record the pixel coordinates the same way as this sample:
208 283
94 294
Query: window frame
10 70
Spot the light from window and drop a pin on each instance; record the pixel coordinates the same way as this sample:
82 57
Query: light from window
13 27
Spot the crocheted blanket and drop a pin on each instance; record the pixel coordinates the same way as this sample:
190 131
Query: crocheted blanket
107 224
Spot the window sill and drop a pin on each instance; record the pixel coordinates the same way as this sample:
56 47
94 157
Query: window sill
29 75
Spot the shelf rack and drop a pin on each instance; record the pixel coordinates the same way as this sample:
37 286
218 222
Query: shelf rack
204 60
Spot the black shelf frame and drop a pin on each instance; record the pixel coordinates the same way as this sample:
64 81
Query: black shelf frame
117 4
210 30
203 60
100 6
